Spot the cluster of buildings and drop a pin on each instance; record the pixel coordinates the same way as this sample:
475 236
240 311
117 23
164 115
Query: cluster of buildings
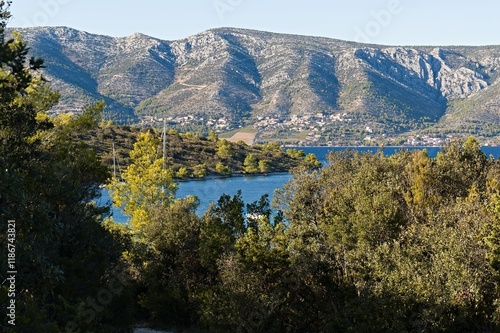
314 124
426 140
219 125
302 122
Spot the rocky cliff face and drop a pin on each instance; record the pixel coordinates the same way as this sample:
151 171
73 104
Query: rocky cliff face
249 75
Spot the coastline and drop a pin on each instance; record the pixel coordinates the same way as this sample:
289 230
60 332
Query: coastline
380 147
235 175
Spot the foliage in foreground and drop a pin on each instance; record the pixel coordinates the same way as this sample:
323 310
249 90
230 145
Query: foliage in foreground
375 243
368 244
65 257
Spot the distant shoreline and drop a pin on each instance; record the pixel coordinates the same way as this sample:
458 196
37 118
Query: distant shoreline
215 177
415 147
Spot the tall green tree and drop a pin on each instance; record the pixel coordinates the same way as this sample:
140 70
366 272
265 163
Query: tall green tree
311 161
251 164
212 136
48 184
263 166
146 184
166 264
224 149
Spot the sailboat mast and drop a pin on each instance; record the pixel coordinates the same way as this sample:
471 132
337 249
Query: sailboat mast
114 161
164 143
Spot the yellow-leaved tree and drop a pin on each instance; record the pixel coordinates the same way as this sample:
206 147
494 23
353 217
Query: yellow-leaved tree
146 184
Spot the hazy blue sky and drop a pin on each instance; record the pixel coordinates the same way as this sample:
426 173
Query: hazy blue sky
393 22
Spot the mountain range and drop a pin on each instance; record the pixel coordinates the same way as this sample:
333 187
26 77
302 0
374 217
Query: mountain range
286 86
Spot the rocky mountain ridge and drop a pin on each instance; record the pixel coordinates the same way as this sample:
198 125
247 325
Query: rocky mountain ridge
226 78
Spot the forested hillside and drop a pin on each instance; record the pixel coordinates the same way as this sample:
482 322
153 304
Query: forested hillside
194 156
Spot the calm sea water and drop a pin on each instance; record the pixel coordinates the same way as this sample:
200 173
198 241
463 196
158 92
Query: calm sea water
322 152
210 190
253 187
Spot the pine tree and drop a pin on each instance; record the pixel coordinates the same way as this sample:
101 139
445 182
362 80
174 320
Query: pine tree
251 164
48 184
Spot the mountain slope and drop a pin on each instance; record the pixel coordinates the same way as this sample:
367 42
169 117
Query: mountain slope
241 77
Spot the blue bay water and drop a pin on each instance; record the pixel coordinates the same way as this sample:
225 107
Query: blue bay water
322 152
253 187
210 190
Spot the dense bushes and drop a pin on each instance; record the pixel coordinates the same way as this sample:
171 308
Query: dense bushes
401 243
370 243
